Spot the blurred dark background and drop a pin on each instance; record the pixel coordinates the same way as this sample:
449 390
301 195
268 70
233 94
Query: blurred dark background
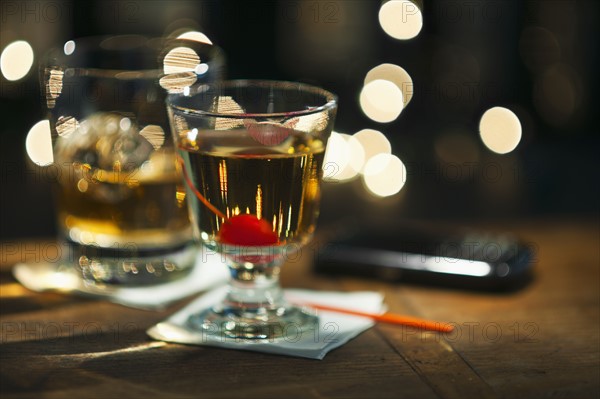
537 58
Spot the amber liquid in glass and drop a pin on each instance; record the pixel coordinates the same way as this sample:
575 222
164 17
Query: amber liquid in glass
238 175
145 206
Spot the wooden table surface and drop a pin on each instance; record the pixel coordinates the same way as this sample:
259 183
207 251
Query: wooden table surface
542 341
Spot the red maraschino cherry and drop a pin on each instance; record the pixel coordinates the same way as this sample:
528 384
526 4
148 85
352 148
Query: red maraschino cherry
243 230
247 230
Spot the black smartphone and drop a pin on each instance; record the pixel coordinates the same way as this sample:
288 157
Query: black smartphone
467 260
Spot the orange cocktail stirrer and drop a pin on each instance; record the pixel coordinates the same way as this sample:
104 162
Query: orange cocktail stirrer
197 193
390 318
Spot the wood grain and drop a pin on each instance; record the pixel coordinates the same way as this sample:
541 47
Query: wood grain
542 341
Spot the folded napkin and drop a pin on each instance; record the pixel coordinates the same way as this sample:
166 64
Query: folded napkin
209 272
313 342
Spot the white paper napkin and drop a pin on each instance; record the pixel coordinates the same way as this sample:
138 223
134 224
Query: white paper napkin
209 272
333 330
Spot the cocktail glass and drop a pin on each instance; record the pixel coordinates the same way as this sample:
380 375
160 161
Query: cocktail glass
252 155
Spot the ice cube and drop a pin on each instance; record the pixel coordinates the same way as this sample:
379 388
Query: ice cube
107 141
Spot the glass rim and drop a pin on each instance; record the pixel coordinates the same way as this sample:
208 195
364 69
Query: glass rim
331 100
117 43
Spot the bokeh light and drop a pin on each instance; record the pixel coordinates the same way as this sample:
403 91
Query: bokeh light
381 100
457 147
401 19
500 130
539 48
16 60
384 175
178 82
195 36
180 60
556 94
395 74
450 60
54 85
154 134
201 69
66 125
344 157
69 47
373 143
336 157
38 143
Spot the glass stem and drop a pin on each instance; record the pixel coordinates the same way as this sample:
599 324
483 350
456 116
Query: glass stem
254 288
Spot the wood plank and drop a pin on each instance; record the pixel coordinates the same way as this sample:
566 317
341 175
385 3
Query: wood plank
437 363
365 366
540 342
100 352
429 354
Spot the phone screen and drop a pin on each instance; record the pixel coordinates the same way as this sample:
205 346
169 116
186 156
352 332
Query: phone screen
470 260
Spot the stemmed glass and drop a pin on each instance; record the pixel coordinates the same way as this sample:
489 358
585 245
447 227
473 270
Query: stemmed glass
252 155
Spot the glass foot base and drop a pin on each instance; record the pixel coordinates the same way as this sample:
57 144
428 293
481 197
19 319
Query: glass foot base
254 324
130 267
